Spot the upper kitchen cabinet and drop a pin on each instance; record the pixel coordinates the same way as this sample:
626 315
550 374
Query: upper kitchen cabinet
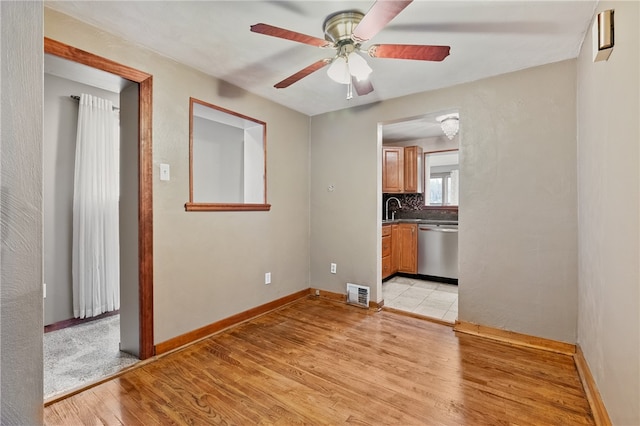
392 169
402 170
413 176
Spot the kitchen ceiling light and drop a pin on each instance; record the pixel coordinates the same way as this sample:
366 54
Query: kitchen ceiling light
449 124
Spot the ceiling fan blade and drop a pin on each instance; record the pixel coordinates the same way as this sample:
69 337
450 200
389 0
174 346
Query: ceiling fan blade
380 14
272 31
409 51
302 73
363 87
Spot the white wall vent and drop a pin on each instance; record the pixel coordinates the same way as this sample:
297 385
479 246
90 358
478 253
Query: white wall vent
358 295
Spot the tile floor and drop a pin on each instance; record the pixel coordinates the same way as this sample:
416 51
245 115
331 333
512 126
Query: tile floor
428 298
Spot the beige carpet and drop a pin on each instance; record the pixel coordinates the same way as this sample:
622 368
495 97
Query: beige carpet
82 354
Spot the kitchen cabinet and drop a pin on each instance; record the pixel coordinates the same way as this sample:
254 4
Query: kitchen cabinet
413 176
408 248
402 169
392 169
399 249
386 250
395 249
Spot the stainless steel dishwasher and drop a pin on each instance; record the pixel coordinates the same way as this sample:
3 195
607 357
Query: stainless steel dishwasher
438 250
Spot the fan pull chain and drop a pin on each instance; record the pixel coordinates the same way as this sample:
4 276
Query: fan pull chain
350 90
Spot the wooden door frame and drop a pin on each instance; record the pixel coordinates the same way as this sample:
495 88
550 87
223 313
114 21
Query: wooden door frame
145 173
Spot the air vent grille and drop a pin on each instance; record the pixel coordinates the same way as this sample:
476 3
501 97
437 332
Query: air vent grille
358 295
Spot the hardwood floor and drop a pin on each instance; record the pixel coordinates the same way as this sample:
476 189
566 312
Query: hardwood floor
322 362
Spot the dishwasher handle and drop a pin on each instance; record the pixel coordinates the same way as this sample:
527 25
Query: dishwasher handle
438 229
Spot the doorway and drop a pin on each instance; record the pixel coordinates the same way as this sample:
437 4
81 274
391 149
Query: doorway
419 200
136 309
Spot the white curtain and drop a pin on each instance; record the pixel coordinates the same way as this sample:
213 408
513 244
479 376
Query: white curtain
96 240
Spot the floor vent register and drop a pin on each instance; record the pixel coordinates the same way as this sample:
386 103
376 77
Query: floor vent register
358 295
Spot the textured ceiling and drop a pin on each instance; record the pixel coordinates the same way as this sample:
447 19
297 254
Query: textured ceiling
486 37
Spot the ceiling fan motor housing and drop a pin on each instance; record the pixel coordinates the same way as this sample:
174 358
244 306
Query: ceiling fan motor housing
339 26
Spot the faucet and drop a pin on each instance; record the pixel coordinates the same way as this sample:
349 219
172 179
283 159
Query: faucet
386 215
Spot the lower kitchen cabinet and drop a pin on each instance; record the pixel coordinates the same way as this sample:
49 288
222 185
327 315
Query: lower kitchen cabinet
395 249
399 249
386 251
408 248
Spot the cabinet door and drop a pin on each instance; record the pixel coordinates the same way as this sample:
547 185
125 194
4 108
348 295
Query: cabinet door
395 249
413 169
386 267
408 245
392 169
386 251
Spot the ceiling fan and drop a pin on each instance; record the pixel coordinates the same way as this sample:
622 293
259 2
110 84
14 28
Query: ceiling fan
345 32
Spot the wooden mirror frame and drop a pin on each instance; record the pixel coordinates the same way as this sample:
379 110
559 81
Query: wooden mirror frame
197 206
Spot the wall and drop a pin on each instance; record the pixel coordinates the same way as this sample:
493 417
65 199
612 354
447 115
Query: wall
59 150
217 162
609 215
21 325
129 250
211 265
518 233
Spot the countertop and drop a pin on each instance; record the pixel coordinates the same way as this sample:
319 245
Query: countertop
421 221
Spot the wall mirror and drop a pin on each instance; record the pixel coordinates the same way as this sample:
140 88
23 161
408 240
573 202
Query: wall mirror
227 160
442 173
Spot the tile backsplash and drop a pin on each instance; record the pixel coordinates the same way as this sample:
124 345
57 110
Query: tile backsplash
413 208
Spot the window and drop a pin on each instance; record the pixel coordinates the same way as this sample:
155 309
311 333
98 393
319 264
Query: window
443 172
443 189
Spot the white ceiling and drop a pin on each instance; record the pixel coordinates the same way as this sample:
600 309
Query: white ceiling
412 128
486 37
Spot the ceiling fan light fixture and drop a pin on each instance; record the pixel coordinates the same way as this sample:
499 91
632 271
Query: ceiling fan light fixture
358 66
450 124
339 71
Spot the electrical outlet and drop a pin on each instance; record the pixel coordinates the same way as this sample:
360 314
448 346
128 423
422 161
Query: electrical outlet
267 278
317 292
334 268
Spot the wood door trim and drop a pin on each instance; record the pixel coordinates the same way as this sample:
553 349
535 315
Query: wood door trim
418 316
145 180
514 338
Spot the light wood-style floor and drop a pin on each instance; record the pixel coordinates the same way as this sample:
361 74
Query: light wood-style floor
322 362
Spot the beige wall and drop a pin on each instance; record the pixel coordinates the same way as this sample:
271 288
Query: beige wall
210 265
517 241
21 213
609 215
129 249
517 235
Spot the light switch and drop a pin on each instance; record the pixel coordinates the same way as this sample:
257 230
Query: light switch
164 172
